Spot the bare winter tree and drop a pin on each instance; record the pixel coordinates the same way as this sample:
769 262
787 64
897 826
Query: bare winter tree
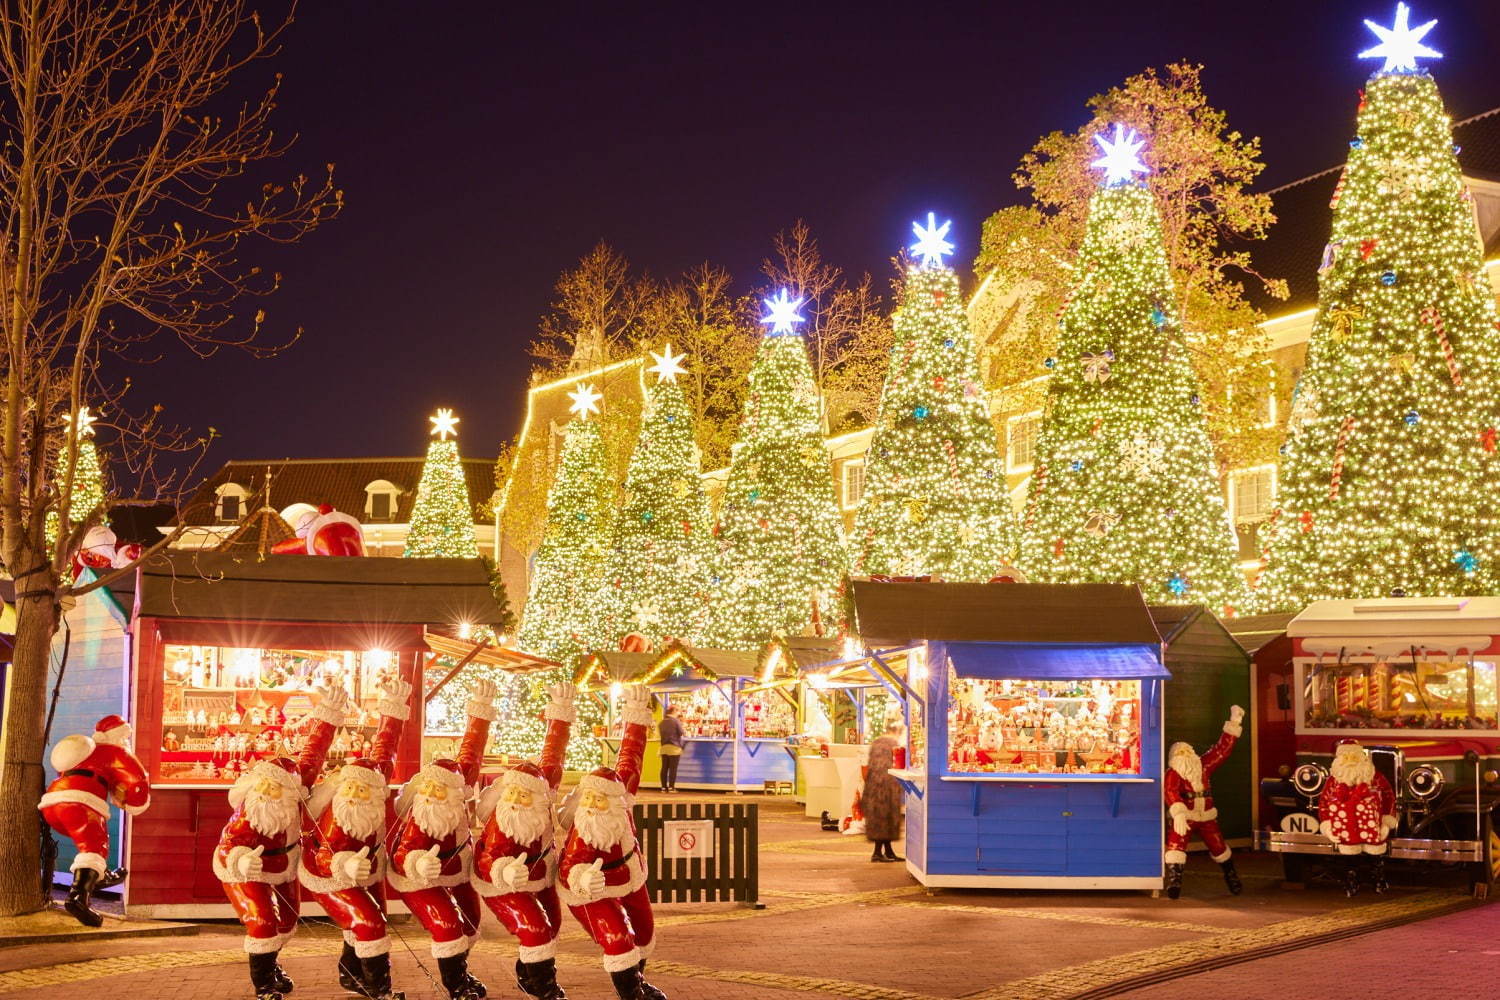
127 207
596 317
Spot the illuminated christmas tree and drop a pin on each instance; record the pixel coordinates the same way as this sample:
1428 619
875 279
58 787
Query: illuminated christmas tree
1390 476
1124 489
780 532
442 519
658 581
88 494
935 502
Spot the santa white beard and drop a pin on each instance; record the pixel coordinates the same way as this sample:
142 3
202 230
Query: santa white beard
1351 770
602 830
270 817
360 820
1190 766
525 825
439 817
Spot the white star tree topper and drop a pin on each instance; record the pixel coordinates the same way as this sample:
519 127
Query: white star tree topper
82 424
783 314
1400 45
932 241
667 367
585 401
444 424
1121 159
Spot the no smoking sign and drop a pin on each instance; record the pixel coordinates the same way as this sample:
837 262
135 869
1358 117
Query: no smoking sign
688 838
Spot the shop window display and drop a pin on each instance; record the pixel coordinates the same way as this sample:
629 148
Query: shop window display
768 716
225 708
1044 727
1407 694
705 713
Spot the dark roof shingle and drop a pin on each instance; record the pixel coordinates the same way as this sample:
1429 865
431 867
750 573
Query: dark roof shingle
1092 613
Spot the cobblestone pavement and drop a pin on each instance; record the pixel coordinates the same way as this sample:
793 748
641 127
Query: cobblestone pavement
834 925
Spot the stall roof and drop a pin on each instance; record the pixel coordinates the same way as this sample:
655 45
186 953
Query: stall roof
1255 632
1080 613
1391 624
613 665
510 660
179 583
710 663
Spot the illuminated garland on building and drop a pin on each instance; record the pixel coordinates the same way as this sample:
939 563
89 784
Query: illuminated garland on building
1389 482
1123 489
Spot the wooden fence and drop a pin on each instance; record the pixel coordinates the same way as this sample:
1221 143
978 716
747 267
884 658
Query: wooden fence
730 871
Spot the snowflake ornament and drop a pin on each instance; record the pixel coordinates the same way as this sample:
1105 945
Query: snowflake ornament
1143 457
644 615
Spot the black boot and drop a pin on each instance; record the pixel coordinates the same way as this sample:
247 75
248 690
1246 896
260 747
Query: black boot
263 977
539 979
378 978
1377 872
627 983
453 970
279 979
475 986
112 878
1231 877
645 990
351 972
890 853
85 881
1351 877
1174 881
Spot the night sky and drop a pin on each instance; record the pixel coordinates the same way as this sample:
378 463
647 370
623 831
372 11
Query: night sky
483 147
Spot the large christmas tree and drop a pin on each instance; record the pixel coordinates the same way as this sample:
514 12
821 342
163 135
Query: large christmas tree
780 533
442 519
935 502
88 494
1124 489
658 582
1389 482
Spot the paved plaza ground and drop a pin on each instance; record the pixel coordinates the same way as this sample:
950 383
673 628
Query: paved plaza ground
836 925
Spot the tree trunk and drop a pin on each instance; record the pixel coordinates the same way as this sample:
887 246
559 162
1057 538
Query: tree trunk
21 746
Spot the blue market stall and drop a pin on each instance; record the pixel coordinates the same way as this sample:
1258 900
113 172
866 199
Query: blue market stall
1035 731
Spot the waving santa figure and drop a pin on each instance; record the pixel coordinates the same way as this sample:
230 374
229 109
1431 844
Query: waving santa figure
92 772
1357 811
602 876
259 849
342 861
431 854
515 868
1190 805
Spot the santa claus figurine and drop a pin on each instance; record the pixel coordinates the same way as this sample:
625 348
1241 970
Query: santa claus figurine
515 869
1190 805
91 773
602 876
259 849
431 854
342 862
1357 811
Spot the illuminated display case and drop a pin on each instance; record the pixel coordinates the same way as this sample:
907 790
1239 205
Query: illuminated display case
1017 726
1399 695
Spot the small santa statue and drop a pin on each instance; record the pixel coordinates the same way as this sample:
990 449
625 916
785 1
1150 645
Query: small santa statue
602 876
91 773
260 848
1190 804
1357 811
516 866
431 854
343 865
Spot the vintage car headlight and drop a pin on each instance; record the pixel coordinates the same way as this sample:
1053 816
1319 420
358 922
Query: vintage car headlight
1308 779
1424 782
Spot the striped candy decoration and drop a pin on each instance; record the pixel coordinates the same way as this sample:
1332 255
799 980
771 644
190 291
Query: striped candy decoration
1435 320
1338 457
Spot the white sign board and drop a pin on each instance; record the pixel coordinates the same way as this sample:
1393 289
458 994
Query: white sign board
1299 822
688 838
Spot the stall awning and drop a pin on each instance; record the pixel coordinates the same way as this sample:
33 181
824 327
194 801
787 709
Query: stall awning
512 661
1054 661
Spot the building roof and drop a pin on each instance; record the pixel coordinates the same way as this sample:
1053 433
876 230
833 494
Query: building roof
1254 632
259 532
178 583
1171 619
1293 248
1086 613
337 481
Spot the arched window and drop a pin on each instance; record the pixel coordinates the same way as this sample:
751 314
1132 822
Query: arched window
229 503
381 498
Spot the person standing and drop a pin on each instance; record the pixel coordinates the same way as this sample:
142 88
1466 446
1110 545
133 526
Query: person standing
671 748
881 798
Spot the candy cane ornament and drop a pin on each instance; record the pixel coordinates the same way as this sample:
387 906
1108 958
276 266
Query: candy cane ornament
1435 319
1338 457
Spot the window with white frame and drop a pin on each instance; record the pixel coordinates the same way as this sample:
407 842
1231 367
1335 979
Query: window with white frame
1252 493
853 485
229 503
380 500
1020 441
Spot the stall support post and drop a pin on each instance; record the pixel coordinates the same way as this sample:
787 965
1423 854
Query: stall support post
737 720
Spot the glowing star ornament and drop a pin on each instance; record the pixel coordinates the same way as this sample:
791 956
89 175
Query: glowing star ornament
932 241
444 424
82 425
667 367
585 401
1121 160
783 314
1400 45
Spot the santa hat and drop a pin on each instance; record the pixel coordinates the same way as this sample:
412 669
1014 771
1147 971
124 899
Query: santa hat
444 772
1348 744
366 770
112 730
528 776
1180 747
604 780
281 770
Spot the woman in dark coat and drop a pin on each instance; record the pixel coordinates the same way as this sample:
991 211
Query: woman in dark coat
881 799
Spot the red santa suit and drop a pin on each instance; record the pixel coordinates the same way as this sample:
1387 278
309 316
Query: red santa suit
1190 800
92 772
604 885
1357 808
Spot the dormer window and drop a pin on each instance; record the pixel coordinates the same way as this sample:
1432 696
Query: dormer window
381 498
229 503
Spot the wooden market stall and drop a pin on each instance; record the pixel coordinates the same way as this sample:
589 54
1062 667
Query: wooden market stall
1035 731
451 656
602 675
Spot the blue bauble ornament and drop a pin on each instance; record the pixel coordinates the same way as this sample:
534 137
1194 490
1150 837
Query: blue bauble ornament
948 343
1457 149
921 412
1388 278
1050 363
1178 584
646 517
1412 418
1466 560
1356 143
1076 465
754 495
1194 399
1157 316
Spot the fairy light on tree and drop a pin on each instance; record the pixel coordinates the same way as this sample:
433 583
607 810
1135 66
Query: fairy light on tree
935 502
780 533
1124 489
1388 483
442 519
88 495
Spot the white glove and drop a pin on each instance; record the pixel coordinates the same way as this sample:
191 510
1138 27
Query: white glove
394 700
333 706
509 872
423 865
1326 829
1236 714
481 704
560 707
564 693
587 881
635 706
354 864
1180 825
247 862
